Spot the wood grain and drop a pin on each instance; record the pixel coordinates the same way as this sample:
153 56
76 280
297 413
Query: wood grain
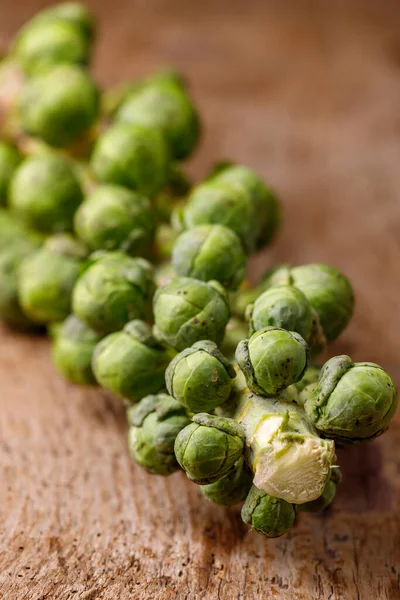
308 93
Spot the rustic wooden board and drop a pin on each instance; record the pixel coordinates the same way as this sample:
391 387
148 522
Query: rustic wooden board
308 94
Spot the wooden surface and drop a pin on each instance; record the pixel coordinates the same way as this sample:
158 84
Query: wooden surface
308 93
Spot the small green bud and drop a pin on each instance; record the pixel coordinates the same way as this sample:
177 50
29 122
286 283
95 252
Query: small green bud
187 310
118 95
208 448
75 13
210 252
47 278
115 218
200 377
44 43
59 105
272 359
220 204
134 156
154 424
352 402
263 198
45 192
231 488
327 290
272 517
72 350
113 290
327 497
10 261
9 161
164 105
286 307
131 363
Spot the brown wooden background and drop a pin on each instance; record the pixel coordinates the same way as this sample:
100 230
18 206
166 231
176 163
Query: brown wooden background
308 93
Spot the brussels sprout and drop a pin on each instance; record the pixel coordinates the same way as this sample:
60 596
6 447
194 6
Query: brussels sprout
115 218
231 488
216 203
59 105
131 363
47 278
166 106
168 76
114 98
200 377
286 307
154 424
187 310
272 359
327 497
210 252
9 161
44 193
352 402
10 261
72 350
75 13
209 447
134 156
288 458
236 331
264 199
41 44
327 290
113 290
272 517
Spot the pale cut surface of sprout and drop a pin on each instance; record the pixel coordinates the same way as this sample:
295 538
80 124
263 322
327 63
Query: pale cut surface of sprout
289 460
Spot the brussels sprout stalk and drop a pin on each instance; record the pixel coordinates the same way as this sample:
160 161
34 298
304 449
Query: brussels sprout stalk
287 457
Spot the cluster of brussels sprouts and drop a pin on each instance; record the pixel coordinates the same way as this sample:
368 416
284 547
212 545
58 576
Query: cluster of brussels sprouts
139 279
